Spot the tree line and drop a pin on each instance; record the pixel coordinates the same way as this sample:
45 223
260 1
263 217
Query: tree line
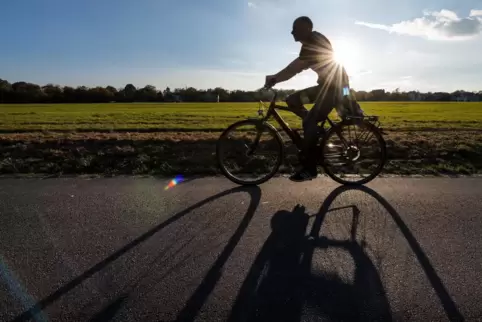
24 92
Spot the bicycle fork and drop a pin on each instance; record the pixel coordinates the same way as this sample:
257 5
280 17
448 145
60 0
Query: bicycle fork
259 132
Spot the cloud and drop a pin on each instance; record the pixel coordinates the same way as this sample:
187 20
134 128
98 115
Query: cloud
441 25
252 5
476 13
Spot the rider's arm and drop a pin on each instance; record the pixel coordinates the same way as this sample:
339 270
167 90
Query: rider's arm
295 67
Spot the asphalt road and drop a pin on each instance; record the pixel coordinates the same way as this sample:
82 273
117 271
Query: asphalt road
125 249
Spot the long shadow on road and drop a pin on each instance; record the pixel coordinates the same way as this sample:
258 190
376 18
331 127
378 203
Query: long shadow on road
202 292
280 285
451 309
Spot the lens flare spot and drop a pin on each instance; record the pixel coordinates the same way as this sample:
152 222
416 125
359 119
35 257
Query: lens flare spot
174 182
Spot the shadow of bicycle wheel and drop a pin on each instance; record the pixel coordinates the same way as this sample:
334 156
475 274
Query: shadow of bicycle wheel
285 283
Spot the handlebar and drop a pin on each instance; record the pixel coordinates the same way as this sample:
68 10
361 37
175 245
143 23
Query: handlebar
275 93
270 85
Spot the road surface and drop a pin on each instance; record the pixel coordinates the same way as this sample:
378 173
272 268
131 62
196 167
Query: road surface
126 249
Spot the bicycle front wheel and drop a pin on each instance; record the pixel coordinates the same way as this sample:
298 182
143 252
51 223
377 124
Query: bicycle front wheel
354 153
249 152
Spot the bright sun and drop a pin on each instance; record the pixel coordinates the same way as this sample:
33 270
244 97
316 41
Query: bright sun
346 53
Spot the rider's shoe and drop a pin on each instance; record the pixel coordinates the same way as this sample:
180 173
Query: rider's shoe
304 175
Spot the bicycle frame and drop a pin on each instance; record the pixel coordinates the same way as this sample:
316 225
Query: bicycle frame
349 151
294 136
284 125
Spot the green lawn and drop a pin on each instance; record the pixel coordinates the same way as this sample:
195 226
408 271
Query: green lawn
214 116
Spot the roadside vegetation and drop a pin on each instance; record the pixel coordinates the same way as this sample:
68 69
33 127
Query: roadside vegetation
172 153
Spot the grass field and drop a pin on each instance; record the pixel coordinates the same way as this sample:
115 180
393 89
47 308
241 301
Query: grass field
170 139
215 117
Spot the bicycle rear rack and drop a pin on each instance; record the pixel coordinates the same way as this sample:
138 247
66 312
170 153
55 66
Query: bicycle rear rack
372 119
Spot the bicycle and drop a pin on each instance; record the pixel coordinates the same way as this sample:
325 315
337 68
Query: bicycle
350 151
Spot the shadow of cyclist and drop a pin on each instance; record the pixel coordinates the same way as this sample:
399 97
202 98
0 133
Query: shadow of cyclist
333 297
363 298
268 292
283 286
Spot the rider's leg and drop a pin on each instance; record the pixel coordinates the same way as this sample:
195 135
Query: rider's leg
325 101
296 100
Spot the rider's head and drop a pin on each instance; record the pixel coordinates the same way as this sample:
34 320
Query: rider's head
302 28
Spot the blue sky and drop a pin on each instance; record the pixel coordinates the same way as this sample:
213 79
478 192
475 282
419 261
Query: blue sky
427 45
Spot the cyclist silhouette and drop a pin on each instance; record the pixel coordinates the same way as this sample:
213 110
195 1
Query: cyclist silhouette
317 54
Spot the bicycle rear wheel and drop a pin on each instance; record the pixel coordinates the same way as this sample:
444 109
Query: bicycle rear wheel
249 152
350 148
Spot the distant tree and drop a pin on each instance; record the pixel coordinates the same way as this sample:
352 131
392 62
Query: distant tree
120 96
394 95
445 97
190 94
82 94
69 94
130 92
100 95
361 95
404 96
223 94
27 93
159 96
378 95
5 90
5 85
53 93
167 94
24 92
111 89
147 94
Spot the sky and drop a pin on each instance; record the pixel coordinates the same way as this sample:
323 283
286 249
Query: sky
426 45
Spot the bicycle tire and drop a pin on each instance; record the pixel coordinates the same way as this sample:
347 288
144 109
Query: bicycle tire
383 151
265 127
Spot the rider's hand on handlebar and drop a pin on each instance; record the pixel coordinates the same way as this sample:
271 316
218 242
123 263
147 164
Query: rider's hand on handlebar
270 81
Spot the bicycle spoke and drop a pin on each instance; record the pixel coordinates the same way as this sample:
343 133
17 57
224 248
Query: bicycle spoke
249 153
360 157
366 136
349 133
